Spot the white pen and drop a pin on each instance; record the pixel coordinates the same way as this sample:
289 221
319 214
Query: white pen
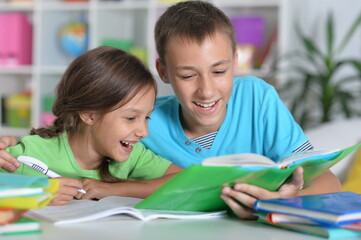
41 167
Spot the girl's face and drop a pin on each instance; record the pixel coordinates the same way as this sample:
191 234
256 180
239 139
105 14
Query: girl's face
115 133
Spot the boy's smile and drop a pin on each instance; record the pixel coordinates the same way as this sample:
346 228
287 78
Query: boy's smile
201 75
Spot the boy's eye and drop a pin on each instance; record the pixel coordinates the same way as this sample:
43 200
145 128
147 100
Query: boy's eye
186 77
147 118
130 118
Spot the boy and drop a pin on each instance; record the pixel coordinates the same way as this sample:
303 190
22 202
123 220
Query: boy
215 114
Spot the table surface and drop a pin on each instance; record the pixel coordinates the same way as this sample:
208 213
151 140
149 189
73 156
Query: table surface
217 229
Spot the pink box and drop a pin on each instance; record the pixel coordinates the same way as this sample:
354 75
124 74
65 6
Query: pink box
15 39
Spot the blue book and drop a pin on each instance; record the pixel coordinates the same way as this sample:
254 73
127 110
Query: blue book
329 209
321 231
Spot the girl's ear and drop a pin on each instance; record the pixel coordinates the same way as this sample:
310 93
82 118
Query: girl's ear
162 70
88 118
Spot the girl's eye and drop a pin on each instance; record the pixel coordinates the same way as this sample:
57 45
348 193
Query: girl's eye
147 118
219 72
130 118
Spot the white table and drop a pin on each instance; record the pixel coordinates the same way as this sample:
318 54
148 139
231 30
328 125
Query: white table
164 229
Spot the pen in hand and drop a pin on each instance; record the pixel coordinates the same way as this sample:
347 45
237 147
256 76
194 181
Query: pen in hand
41 167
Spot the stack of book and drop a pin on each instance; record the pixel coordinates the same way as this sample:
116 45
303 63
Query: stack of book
18 194
332 215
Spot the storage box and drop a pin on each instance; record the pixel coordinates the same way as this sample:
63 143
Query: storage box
15 39
249 30
18 110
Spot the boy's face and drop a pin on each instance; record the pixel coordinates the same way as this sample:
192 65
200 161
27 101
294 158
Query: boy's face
201 76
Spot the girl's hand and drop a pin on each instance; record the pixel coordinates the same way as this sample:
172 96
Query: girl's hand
68 189
248 194
94 189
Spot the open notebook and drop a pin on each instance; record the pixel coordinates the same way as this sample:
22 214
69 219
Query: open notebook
110 207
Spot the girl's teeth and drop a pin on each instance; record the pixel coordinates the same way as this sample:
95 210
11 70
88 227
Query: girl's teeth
127 144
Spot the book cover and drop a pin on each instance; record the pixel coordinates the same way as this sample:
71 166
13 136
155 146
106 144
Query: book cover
10 215
321 231
109 207
198 188
22 226
27 202
332 208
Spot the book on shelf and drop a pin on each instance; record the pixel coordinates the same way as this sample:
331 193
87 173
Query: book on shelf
9 215
318 230
23 225
198 187
110 207
336 208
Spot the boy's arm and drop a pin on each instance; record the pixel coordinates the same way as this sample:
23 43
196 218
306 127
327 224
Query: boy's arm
7 161
248 194
138 189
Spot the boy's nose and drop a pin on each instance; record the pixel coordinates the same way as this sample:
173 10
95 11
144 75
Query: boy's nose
206 87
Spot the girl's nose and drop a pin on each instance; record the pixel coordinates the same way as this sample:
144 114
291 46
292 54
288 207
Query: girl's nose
142 130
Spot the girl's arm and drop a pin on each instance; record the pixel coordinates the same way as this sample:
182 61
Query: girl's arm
130 188
68 189
248 194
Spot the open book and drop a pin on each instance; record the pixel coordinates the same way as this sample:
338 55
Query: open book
198 187
255 160
110 207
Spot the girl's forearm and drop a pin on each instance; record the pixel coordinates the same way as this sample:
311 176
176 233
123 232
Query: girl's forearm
137 189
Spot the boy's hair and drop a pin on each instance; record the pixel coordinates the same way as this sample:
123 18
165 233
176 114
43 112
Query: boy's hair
99 80
192 20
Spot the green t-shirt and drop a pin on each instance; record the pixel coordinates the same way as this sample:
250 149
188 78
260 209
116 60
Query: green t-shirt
57 154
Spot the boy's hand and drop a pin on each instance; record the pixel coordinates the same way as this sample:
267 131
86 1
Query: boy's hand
68 189
7 142
248 194
7 161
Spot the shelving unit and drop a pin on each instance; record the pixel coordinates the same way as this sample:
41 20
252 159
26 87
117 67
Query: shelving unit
125 19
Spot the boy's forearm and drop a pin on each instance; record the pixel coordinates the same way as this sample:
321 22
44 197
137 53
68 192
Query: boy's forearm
325 183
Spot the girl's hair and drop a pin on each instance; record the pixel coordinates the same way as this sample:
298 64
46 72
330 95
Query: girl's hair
193 20
98 81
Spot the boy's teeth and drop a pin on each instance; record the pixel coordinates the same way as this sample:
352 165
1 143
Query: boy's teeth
206 105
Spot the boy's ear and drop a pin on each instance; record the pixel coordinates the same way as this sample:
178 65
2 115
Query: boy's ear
235 61
162 71
88 118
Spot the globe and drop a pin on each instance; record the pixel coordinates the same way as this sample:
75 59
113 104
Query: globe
74 38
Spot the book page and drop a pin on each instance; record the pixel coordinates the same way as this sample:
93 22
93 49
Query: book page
308 155
86 210
110 207
243 159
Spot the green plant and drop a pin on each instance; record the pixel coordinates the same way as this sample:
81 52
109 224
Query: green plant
316 88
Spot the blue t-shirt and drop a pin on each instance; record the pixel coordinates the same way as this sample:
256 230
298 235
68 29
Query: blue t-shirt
257 121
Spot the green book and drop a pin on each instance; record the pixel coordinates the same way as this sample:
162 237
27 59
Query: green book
22 226
198 187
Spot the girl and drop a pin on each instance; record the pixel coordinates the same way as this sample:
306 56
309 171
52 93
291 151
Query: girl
102 107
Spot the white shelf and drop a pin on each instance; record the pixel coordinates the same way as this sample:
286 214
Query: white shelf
126 19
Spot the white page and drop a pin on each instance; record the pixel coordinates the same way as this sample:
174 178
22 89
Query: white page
87 210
